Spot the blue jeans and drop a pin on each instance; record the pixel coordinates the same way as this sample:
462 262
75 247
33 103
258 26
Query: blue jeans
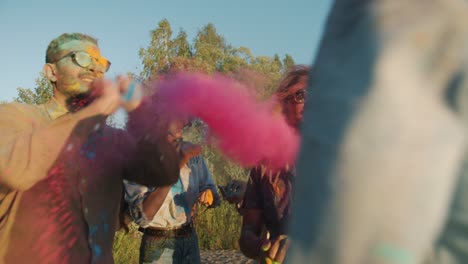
170 250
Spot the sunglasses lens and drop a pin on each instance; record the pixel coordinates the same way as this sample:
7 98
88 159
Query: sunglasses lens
83 59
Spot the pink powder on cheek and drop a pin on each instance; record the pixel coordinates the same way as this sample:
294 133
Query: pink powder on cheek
246 130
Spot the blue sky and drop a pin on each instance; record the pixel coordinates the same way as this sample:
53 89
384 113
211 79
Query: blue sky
122 27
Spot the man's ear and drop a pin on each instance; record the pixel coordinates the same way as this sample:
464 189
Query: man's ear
49 71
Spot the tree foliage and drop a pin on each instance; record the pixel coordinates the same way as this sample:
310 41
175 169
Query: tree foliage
209 52
288 62
38 95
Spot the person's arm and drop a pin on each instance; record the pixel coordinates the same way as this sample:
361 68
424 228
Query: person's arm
154 166
27 152
143 201
250 241
206 184
233 192
254 242
153 202
150 162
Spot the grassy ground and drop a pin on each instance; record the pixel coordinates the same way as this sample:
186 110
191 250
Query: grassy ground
218 228
126 246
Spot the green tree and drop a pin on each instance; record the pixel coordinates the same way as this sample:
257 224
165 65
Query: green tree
39 95
210 47
235 59
271 70
277 61
180 46
288 62
157 57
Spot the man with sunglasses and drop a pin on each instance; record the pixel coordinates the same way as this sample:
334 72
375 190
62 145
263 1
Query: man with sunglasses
266 206
61 167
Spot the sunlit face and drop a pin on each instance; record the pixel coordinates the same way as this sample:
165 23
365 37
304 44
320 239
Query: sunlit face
292 110
73 79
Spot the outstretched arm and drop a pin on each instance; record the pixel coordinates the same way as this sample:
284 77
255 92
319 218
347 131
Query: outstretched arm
27 150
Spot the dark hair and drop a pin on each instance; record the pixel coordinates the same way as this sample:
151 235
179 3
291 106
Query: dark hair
296 74
53 50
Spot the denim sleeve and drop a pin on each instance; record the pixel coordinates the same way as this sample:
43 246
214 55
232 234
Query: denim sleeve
206 180
134 196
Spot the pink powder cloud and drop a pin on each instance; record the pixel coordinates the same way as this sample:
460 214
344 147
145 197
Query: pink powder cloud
247 131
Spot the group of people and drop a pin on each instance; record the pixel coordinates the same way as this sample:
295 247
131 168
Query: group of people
63 172
387 148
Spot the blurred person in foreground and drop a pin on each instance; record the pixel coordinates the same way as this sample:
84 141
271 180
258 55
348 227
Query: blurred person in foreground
384 138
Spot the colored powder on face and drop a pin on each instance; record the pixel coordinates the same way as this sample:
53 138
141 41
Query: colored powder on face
96 54
248 131
72 86
93 51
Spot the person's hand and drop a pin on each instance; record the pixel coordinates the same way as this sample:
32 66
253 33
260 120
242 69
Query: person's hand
108 98
188 150
234 191
131 93
206 198
109 95
274 252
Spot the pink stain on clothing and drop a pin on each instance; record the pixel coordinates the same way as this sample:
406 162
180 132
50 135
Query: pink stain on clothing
247 131
58 219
